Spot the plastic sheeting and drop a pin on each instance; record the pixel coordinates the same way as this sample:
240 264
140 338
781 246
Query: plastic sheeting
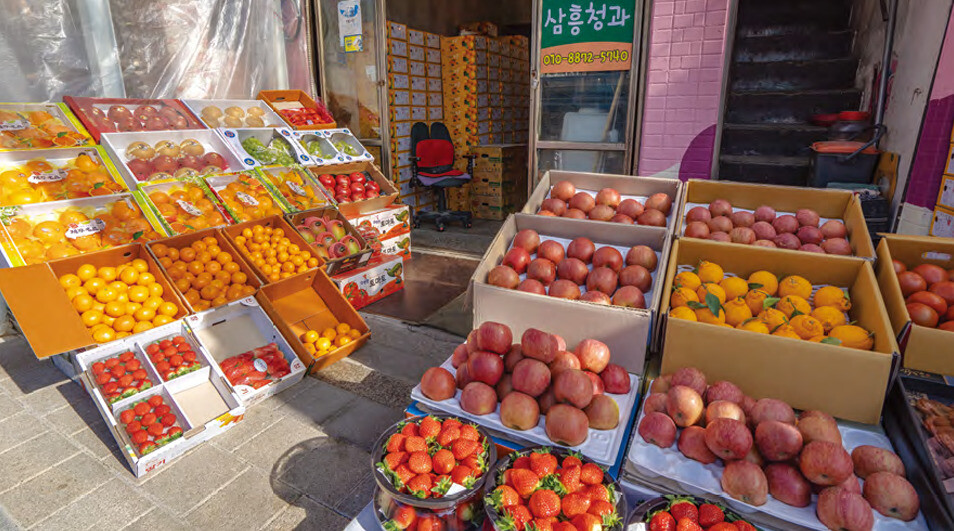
152 49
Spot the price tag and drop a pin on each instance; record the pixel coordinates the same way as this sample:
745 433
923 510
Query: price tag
48 177
296 188
14 125
85 228
260 365
246 199
189 208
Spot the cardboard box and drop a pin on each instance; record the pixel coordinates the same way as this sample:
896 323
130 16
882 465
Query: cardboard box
627 185
923 349
397 31
399 245
435 114
344 263
945 195
807 375
401 129
399 97
400 113
417 68
418 99
239 327
432 40
383 276
434 70
388 191
294 99
500 159
949 169
39 302
397 48
185 240
415 37
829 203
434 84
311 301
94 113
415 53
942 223
433 55
385 223
627 331
275 222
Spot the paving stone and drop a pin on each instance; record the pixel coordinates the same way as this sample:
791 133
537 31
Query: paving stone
284 437
157 519
307 514
31 379
35 456
363 422
324 471
60 393
254 422
248 502
97 439
182 484
9 406
75 416
356 500
16 429
362 381
316 403
59 486
111 506
16 356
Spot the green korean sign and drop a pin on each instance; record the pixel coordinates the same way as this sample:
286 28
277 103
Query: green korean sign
578 36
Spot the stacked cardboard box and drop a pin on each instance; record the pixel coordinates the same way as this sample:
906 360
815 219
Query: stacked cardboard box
499 184
942 223
414 95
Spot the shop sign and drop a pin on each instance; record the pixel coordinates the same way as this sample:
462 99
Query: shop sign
578 36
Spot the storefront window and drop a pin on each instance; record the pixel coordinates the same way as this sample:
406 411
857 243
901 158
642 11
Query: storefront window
580 160
584 107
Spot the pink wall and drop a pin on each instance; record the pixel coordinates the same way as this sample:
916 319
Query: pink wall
683 87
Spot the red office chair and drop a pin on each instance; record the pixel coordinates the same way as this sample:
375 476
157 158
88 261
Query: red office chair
432 166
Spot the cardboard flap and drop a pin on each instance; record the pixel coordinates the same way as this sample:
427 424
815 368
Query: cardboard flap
38 301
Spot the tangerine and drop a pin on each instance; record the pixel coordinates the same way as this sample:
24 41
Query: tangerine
683 312
734 287
737 312
853 336
710 272
790 304
755 299
795 285
766 281
70 280
682 297
86 272
754 325
786 330
834 297
807 326
829 317
713 289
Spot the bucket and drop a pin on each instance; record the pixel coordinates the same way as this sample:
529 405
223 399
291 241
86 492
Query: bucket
830 163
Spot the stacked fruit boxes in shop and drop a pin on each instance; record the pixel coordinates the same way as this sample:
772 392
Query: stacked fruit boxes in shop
499 184
942 224
414 95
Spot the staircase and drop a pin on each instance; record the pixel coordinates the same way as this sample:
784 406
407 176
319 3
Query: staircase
790 60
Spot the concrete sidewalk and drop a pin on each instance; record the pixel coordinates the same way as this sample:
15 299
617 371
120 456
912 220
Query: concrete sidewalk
298 459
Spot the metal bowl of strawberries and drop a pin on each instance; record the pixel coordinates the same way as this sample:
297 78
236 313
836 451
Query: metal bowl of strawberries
435 463
550 487
671 511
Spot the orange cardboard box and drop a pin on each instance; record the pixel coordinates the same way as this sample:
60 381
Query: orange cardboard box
311 301
923 348
845 382
292 99
44 313
341 264
275 222
389 193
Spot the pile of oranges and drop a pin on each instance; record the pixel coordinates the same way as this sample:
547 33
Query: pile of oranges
80 177
318 344
295 188
206 275
766 304
115 302
269 250
43 130
247 199
185 207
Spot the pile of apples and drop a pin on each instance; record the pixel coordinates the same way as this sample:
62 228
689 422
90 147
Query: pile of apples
168 159
560 272
767 449
537 376
929 293
348 188
765 228
329 237
141 118
608 205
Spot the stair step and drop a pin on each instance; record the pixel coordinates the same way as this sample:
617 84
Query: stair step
819 14
770 139
802 47
794 75
787 107
789 171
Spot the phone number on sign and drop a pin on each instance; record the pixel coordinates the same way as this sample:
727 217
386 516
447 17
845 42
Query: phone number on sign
605 56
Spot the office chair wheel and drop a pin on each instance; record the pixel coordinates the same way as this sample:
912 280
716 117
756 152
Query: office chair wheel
440 227
468 224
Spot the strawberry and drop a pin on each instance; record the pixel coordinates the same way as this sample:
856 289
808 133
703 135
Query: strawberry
403 518
395 459
600 508
469 432
570 478
710 515
722 526
430 523
662 521
540 524
521 462
564 526
472 463
524 481
571 460
395 443
591 474
682 508
598 493
543 463
742 525
419 462
429 427
586 522
451 423
443 461
463 448
462 475
420 485
504 496
520 515
403 473
448 435
544 503
410 429
688 524
415 443
575 504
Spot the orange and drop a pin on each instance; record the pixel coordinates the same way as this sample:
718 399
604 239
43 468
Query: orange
310 336
807 326
310 348
141 265
710 272
832 296
106 294
195 267
124 323
343 328
342 340
829 317
144 314
142 326
354 333
766 281
167 308
209 292
755 299
107 273
187 254
705 315
330 333
795 285
734 287
736 312
160 250
74 292
853 336
713 289
115 309
146 279
152 303
682 296
91 317
82 303
754 325
683 312
104 334
155 290
70 280
786 330
790 304
323 343
138 293
162 320
772 318
86 272
118 286
129 275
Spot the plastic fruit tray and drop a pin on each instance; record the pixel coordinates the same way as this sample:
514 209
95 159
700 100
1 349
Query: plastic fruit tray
39 126
244 196
41 175
112 115
234 113
296 188
651 461
602 446
265 146
318 145
184 206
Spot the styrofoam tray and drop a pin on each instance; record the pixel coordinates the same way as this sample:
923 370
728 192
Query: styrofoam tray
694 477
602 446
689 206
270 117
622 250
641 198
